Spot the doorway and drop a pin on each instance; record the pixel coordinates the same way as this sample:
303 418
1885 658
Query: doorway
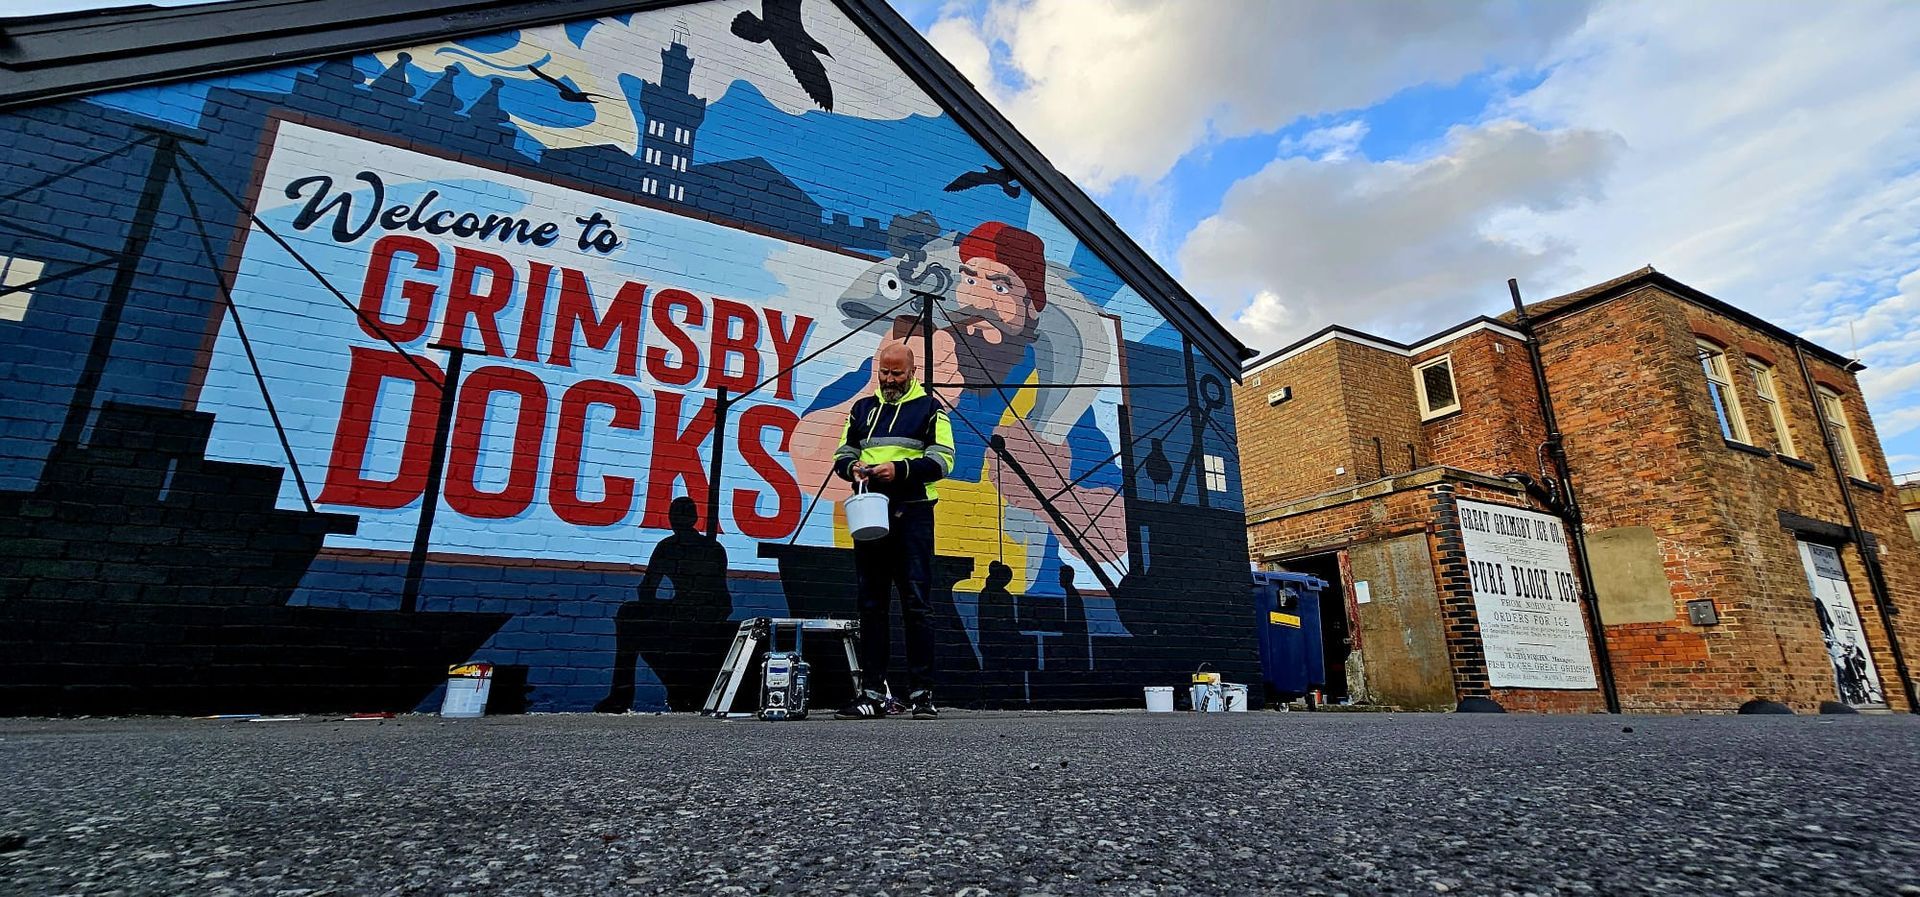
1855 680
1336 633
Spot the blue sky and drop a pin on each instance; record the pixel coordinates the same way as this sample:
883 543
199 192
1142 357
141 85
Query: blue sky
1389 165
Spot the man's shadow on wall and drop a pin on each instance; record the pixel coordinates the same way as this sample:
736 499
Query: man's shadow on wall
684 639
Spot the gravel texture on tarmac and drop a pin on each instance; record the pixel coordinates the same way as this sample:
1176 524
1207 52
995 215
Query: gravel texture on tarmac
971 804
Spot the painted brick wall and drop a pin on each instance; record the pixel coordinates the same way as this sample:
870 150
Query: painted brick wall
172 543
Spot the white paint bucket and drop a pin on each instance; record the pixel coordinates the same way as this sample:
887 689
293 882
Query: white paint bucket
467 688
1159 698
866 516
1236 696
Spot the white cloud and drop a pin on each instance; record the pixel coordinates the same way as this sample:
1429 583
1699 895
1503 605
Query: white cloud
1392 246
1329 144
1123 88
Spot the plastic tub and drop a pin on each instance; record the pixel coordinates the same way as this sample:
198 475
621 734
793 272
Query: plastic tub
1159 698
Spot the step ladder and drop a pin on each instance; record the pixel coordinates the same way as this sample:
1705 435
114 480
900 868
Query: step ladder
759 629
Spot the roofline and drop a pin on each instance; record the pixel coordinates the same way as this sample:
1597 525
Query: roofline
1620 287
150 45
1705 300
122 48
1335 331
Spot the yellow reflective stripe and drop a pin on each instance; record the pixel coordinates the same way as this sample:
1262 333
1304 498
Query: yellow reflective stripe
1281 619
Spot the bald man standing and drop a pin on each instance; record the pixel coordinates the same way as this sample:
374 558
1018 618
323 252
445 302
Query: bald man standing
896 442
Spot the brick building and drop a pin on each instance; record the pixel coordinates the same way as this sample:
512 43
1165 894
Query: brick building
1700 447
246 246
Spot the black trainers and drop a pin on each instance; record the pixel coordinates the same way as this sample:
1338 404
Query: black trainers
863 706
923 705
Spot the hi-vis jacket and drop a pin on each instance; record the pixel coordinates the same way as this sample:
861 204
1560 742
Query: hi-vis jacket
912 434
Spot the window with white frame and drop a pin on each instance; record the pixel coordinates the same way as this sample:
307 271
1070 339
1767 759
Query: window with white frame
676 192
1837 427
16 273
657 128
677 163
1433 380
1726 402
652 156
682 136
649 186
1216 473
1769 393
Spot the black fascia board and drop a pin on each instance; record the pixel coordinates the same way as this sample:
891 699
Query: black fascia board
1341 329
1707 301
1079 212
45 59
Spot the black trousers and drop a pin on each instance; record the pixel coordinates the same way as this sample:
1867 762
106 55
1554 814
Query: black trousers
902 560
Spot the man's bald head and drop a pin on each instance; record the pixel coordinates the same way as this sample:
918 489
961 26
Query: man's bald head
893 367
896 353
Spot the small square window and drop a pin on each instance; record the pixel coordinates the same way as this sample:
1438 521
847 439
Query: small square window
1433 380
1216 473
14 273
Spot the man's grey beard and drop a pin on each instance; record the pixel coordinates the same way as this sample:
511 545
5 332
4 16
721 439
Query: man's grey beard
892 393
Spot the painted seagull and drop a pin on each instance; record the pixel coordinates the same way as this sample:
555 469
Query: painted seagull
566 92
999 177
779 23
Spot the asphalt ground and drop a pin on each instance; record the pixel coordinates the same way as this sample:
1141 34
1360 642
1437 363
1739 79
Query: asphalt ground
971 804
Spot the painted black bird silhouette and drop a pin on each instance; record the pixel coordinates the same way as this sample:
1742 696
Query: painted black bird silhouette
566 93
1157 467
779 23
999 177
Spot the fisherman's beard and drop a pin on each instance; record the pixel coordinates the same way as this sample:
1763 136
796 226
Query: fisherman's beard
892 393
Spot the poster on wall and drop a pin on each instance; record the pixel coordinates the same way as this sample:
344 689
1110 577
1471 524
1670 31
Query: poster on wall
1527 599
1854 678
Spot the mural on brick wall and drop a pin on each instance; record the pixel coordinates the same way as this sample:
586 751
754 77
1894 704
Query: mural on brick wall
652 238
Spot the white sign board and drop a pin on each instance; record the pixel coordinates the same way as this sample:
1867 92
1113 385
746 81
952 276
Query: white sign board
1527 598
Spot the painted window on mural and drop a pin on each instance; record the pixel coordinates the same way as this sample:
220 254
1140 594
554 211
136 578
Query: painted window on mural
1726 402
16 274
1768 391
1434 381
1842 433
1216 473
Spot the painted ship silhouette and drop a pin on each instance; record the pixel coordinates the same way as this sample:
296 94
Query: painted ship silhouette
140 576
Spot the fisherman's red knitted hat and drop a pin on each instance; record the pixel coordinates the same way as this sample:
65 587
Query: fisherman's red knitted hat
1015 248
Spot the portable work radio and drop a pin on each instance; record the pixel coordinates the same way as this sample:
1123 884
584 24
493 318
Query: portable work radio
783 679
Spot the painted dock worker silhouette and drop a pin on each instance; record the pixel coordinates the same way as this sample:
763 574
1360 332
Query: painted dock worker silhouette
684 639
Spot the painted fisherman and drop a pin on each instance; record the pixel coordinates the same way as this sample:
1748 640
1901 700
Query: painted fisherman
897 442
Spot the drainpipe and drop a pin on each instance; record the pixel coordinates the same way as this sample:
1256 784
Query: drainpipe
1569 505
1876 583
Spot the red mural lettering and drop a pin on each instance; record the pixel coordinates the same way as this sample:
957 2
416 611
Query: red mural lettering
529 433
786 349
418 295
463 301
575 311
368 371
687 369
528 346
726 346
564 487
676 456
786 493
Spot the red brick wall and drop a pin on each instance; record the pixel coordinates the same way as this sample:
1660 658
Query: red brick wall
1647 451
1499 421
